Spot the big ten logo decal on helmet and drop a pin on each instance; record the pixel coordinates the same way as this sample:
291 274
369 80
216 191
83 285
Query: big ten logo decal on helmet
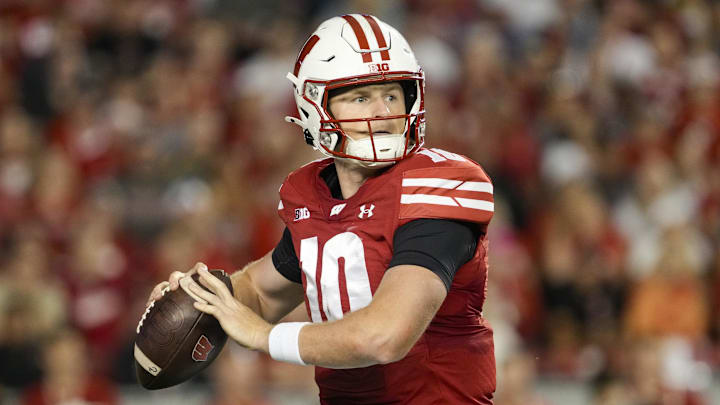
302 213
379 67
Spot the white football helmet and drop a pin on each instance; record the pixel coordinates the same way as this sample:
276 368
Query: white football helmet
353 50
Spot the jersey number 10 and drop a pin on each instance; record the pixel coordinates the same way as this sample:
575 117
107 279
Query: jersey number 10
325 297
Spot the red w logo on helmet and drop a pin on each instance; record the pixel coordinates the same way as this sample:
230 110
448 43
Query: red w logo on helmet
203 347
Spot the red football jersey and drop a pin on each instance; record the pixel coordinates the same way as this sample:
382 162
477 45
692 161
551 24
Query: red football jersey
344 248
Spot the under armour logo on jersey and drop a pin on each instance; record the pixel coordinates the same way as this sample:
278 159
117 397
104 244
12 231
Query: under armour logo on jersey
302 213
336 210
366 211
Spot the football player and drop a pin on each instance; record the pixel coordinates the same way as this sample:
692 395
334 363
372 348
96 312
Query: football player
384 241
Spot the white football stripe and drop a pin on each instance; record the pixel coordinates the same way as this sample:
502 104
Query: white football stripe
431 182
476 204
480 186
146 363
427 199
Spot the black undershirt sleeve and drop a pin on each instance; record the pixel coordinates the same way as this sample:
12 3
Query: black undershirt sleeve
439 245
285 260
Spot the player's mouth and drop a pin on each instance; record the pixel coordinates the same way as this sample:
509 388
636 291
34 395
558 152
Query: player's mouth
380 132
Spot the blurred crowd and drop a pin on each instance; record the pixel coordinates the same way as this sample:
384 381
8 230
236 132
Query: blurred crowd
140 136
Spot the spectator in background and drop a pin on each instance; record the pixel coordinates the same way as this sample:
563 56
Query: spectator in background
517 381
96 276
19 342
672 302
238 378
613 392
19 148
29 310
67 375
580 110
661 372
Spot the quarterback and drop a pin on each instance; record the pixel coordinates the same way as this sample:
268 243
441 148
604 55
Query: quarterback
384 243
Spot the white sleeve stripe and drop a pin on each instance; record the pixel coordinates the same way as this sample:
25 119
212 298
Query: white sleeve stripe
432 155
449 155
427 199
431 182
280 205
479 186
476 204
481 205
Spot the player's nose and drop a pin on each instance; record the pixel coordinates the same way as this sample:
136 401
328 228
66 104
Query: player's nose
380 107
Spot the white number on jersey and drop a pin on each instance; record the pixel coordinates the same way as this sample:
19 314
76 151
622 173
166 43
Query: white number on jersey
349 247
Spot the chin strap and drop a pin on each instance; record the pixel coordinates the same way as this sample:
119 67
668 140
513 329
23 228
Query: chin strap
297 121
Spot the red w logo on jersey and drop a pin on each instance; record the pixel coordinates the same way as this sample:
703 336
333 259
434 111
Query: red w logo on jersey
203 347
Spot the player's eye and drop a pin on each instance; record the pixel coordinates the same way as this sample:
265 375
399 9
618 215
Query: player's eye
360 99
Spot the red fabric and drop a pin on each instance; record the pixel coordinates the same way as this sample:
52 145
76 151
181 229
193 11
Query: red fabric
453 361
461 176
96 390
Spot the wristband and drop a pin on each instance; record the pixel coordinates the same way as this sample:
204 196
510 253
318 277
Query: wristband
283 342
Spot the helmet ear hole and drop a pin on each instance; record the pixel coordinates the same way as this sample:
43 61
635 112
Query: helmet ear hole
410 92
308 138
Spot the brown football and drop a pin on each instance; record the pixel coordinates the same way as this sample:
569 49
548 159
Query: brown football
174 340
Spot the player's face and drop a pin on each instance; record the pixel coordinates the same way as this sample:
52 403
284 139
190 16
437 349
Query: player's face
370 101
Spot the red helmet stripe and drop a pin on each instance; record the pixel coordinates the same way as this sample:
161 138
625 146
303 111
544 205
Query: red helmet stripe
360 35
378 36
305 50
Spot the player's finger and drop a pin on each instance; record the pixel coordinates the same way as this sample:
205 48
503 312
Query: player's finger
186 283
200 294
214 284
206 308
175 276
198 266
174 280
158 292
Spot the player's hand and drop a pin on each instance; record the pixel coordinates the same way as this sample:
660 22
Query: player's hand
173 282
238 321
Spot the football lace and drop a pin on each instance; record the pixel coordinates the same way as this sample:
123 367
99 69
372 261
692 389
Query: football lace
149 307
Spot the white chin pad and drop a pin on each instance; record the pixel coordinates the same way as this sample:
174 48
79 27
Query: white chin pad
386 147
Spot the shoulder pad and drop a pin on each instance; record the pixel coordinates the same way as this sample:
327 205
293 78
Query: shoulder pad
446 185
